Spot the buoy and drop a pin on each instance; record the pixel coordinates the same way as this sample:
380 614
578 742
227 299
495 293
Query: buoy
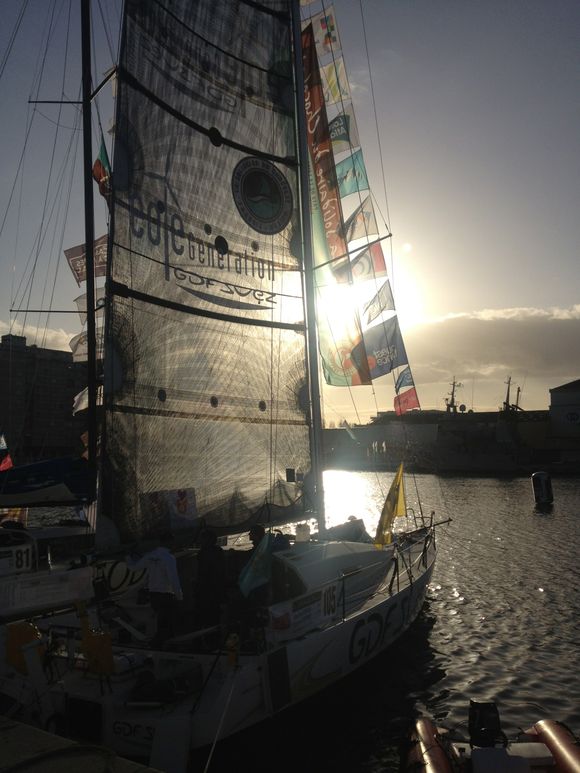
542 488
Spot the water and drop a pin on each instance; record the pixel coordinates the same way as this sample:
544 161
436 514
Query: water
500 623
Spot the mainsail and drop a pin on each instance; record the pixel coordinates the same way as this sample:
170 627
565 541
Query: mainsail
205 379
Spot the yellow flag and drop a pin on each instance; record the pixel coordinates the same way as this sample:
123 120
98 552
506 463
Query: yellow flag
395 506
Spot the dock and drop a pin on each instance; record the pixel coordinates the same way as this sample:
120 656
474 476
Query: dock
25 748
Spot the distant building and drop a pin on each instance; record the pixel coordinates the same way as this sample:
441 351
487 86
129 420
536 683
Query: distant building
565 410
37 388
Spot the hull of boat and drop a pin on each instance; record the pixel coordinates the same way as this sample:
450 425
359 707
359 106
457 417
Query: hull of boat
211 697
36 592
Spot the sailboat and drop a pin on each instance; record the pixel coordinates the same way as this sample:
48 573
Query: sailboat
227 254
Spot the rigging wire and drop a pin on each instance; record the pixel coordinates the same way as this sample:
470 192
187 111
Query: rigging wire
13 37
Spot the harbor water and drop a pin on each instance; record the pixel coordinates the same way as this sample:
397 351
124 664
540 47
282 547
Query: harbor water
501 623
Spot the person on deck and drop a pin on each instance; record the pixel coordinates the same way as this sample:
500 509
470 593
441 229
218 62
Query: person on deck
256 535
163 585
209 588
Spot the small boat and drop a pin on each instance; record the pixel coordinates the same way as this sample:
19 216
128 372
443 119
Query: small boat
547 746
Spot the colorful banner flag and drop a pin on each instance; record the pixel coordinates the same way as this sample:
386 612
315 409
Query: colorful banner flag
362 223
342 349
405 401
329 247
351 174
383 301
324 186
258 570
325 32
76 257
395 507
384 347
343 131
404 379
369 263
102 172
336 87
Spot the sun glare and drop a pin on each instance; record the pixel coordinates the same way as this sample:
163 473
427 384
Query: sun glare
408 298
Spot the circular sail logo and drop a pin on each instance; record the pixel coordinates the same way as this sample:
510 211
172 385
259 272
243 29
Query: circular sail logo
262 195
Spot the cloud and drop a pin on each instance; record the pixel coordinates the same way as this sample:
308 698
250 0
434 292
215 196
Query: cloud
45 338
486 346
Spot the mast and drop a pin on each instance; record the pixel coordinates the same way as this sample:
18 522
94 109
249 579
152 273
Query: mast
450 403
89 240
506 405
308 276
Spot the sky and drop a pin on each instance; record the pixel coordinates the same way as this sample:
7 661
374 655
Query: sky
477 106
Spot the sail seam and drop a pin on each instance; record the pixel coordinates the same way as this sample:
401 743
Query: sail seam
209 133
209 417
126 292
280 15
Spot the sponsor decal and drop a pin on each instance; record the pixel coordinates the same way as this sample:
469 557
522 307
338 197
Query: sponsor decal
262 195
207 268
120 578
136 732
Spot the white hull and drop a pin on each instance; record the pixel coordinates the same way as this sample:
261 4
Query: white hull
241 691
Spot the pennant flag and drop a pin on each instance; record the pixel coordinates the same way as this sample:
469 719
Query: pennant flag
405 401
80 348
384 347
369 263
81 403
351 174
81 303
342 348
395 507
102 172
383 301
6 463
3 444
335 82
404 379
362 223
258 570
325 32
343 131
344 361
76 257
